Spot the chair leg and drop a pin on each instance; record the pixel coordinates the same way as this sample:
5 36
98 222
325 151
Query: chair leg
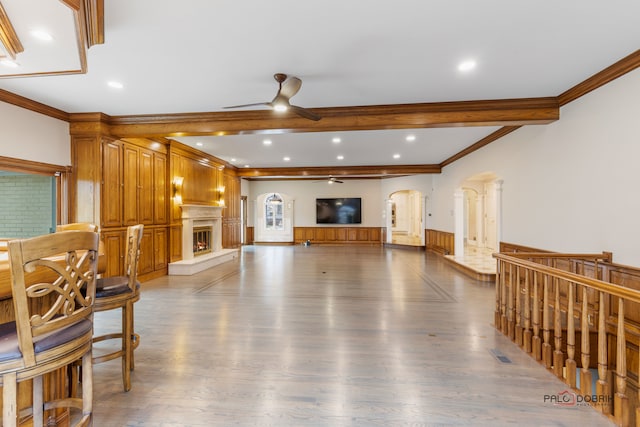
38 401
87 386
127 325
134 343
9 399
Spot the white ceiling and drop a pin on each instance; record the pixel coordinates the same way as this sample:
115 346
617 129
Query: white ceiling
202 55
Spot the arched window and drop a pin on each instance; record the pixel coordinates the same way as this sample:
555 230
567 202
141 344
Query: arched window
273 213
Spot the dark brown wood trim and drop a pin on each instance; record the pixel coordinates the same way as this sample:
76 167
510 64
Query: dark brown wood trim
346 170
21 101
94 21
620 68
508 112
484 141
8 36
28 166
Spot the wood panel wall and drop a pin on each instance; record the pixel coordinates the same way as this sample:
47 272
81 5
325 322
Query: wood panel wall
338 235
438 241
206 181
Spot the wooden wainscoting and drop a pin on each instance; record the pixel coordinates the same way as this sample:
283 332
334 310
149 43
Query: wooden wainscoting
438 241
339 235
249 238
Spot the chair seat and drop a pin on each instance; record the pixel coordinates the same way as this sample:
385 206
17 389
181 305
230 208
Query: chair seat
112 286
9 339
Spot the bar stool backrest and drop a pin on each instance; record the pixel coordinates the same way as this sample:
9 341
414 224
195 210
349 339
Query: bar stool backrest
62 270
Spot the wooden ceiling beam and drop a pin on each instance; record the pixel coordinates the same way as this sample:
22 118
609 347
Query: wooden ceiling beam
509 112
379 171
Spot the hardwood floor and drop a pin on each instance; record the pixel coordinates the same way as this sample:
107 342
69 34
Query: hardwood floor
325 336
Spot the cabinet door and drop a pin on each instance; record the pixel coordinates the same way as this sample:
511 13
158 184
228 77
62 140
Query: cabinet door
160 248
145 187
160 190
130 177
111 211
145 263
114 252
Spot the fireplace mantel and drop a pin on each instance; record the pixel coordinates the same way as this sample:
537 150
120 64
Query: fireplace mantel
201 216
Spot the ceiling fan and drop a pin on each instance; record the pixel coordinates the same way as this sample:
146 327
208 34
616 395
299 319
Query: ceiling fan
288 87
331 180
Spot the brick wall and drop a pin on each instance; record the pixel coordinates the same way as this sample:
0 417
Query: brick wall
26 205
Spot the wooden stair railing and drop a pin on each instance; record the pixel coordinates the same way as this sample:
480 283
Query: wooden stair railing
542 308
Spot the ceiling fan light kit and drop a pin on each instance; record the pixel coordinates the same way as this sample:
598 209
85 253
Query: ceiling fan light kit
288 86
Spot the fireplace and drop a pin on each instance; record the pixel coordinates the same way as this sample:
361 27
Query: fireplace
201 230
201 240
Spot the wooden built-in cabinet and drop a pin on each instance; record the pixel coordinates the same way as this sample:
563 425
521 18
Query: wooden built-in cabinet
118 182
141 200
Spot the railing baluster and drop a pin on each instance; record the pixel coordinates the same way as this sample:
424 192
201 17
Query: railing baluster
621 401
585 373
510 313
497 316
503 310
546 332
571 337
536 343
558 356
526 334
518 290
602 386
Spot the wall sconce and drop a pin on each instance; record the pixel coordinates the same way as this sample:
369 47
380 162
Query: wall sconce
177 189
221 195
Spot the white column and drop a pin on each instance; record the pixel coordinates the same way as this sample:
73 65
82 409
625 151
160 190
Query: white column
458 226
480 225
498 189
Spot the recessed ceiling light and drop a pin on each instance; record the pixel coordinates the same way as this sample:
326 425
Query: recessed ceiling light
115 85
340 157
336 140
467 65
396 156
233 160
246 166
9 63
199 144
267 142
286 159
410 138
42 35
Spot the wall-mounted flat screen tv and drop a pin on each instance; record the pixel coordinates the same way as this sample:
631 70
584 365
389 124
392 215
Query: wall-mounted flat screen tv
339 211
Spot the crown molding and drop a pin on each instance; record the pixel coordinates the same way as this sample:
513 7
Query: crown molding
8 36
612 72
26 103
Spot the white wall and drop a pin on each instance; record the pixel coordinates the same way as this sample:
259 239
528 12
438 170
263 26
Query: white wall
568 186
33 136
305 193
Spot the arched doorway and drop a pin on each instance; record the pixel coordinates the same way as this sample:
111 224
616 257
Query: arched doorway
406 214
477 213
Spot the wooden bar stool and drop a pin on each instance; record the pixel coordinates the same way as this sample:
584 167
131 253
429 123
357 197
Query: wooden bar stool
53 279
121 292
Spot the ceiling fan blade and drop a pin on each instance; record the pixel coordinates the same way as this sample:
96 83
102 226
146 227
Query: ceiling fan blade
289 88
255 104
303 112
